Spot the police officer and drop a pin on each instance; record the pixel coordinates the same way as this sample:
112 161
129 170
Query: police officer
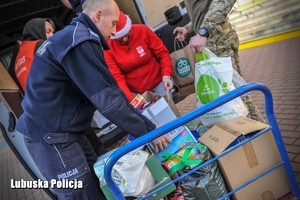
68 81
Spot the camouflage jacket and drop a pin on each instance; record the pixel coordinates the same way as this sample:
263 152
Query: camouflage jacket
209 14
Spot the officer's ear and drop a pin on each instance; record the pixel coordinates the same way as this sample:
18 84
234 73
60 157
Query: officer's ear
98 15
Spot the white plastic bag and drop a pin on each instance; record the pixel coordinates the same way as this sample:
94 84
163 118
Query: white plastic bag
130 173
213 77
237 80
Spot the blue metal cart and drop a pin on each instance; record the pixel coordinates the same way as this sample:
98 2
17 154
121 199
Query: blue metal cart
196 113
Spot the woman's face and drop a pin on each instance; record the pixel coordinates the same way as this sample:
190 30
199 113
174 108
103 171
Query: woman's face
124 39
49 29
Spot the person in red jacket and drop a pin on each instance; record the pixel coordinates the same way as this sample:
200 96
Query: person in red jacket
35 32
138 59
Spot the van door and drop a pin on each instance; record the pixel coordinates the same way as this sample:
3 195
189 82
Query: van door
10 111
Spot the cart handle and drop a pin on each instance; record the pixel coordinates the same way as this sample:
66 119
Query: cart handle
192 115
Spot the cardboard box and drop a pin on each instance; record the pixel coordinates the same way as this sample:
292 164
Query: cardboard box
269 187
159 174
160 113
249 160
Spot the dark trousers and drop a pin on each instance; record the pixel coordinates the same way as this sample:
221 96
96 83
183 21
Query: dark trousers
68 161
91 135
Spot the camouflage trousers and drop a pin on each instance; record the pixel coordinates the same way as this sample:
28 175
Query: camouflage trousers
226 45
254 113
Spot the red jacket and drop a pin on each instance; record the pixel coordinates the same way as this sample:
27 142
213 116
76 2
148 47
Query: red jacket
139 64
24 60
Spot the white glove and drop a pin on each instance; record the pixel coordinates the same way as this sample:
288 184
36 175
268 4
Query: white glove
168 83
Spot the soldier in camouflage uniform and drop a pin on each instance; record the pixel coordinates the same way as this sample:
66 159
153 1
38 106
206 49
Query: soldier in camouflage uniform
210 23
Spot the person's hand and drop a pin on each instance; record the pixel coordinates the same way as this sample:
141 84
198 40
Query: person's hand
182 33
197 43
161 142
168 83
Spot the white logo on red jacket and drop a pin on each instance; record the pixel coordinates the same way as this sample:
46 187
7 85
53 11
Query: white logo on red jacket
141 51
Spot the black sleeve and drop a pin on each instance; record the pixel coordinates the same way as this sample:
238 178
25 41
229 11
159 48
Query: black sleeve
38 44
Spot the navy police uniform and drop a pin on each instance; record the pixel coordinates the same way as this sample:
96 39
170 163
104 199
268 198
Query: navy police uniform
68 81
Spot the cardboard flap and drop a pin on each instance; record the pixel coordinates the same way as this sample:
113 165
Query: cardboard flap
161 177
218 138
171 103
245 125
160 111
148 95
158 107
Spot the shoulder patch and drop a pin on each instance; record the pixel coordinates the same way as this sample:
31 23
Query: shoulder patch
42 48
93 34
82 33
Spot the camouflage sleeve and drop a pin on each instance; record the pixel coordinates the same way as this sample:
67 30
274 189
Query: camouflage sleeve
189 27
217 14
